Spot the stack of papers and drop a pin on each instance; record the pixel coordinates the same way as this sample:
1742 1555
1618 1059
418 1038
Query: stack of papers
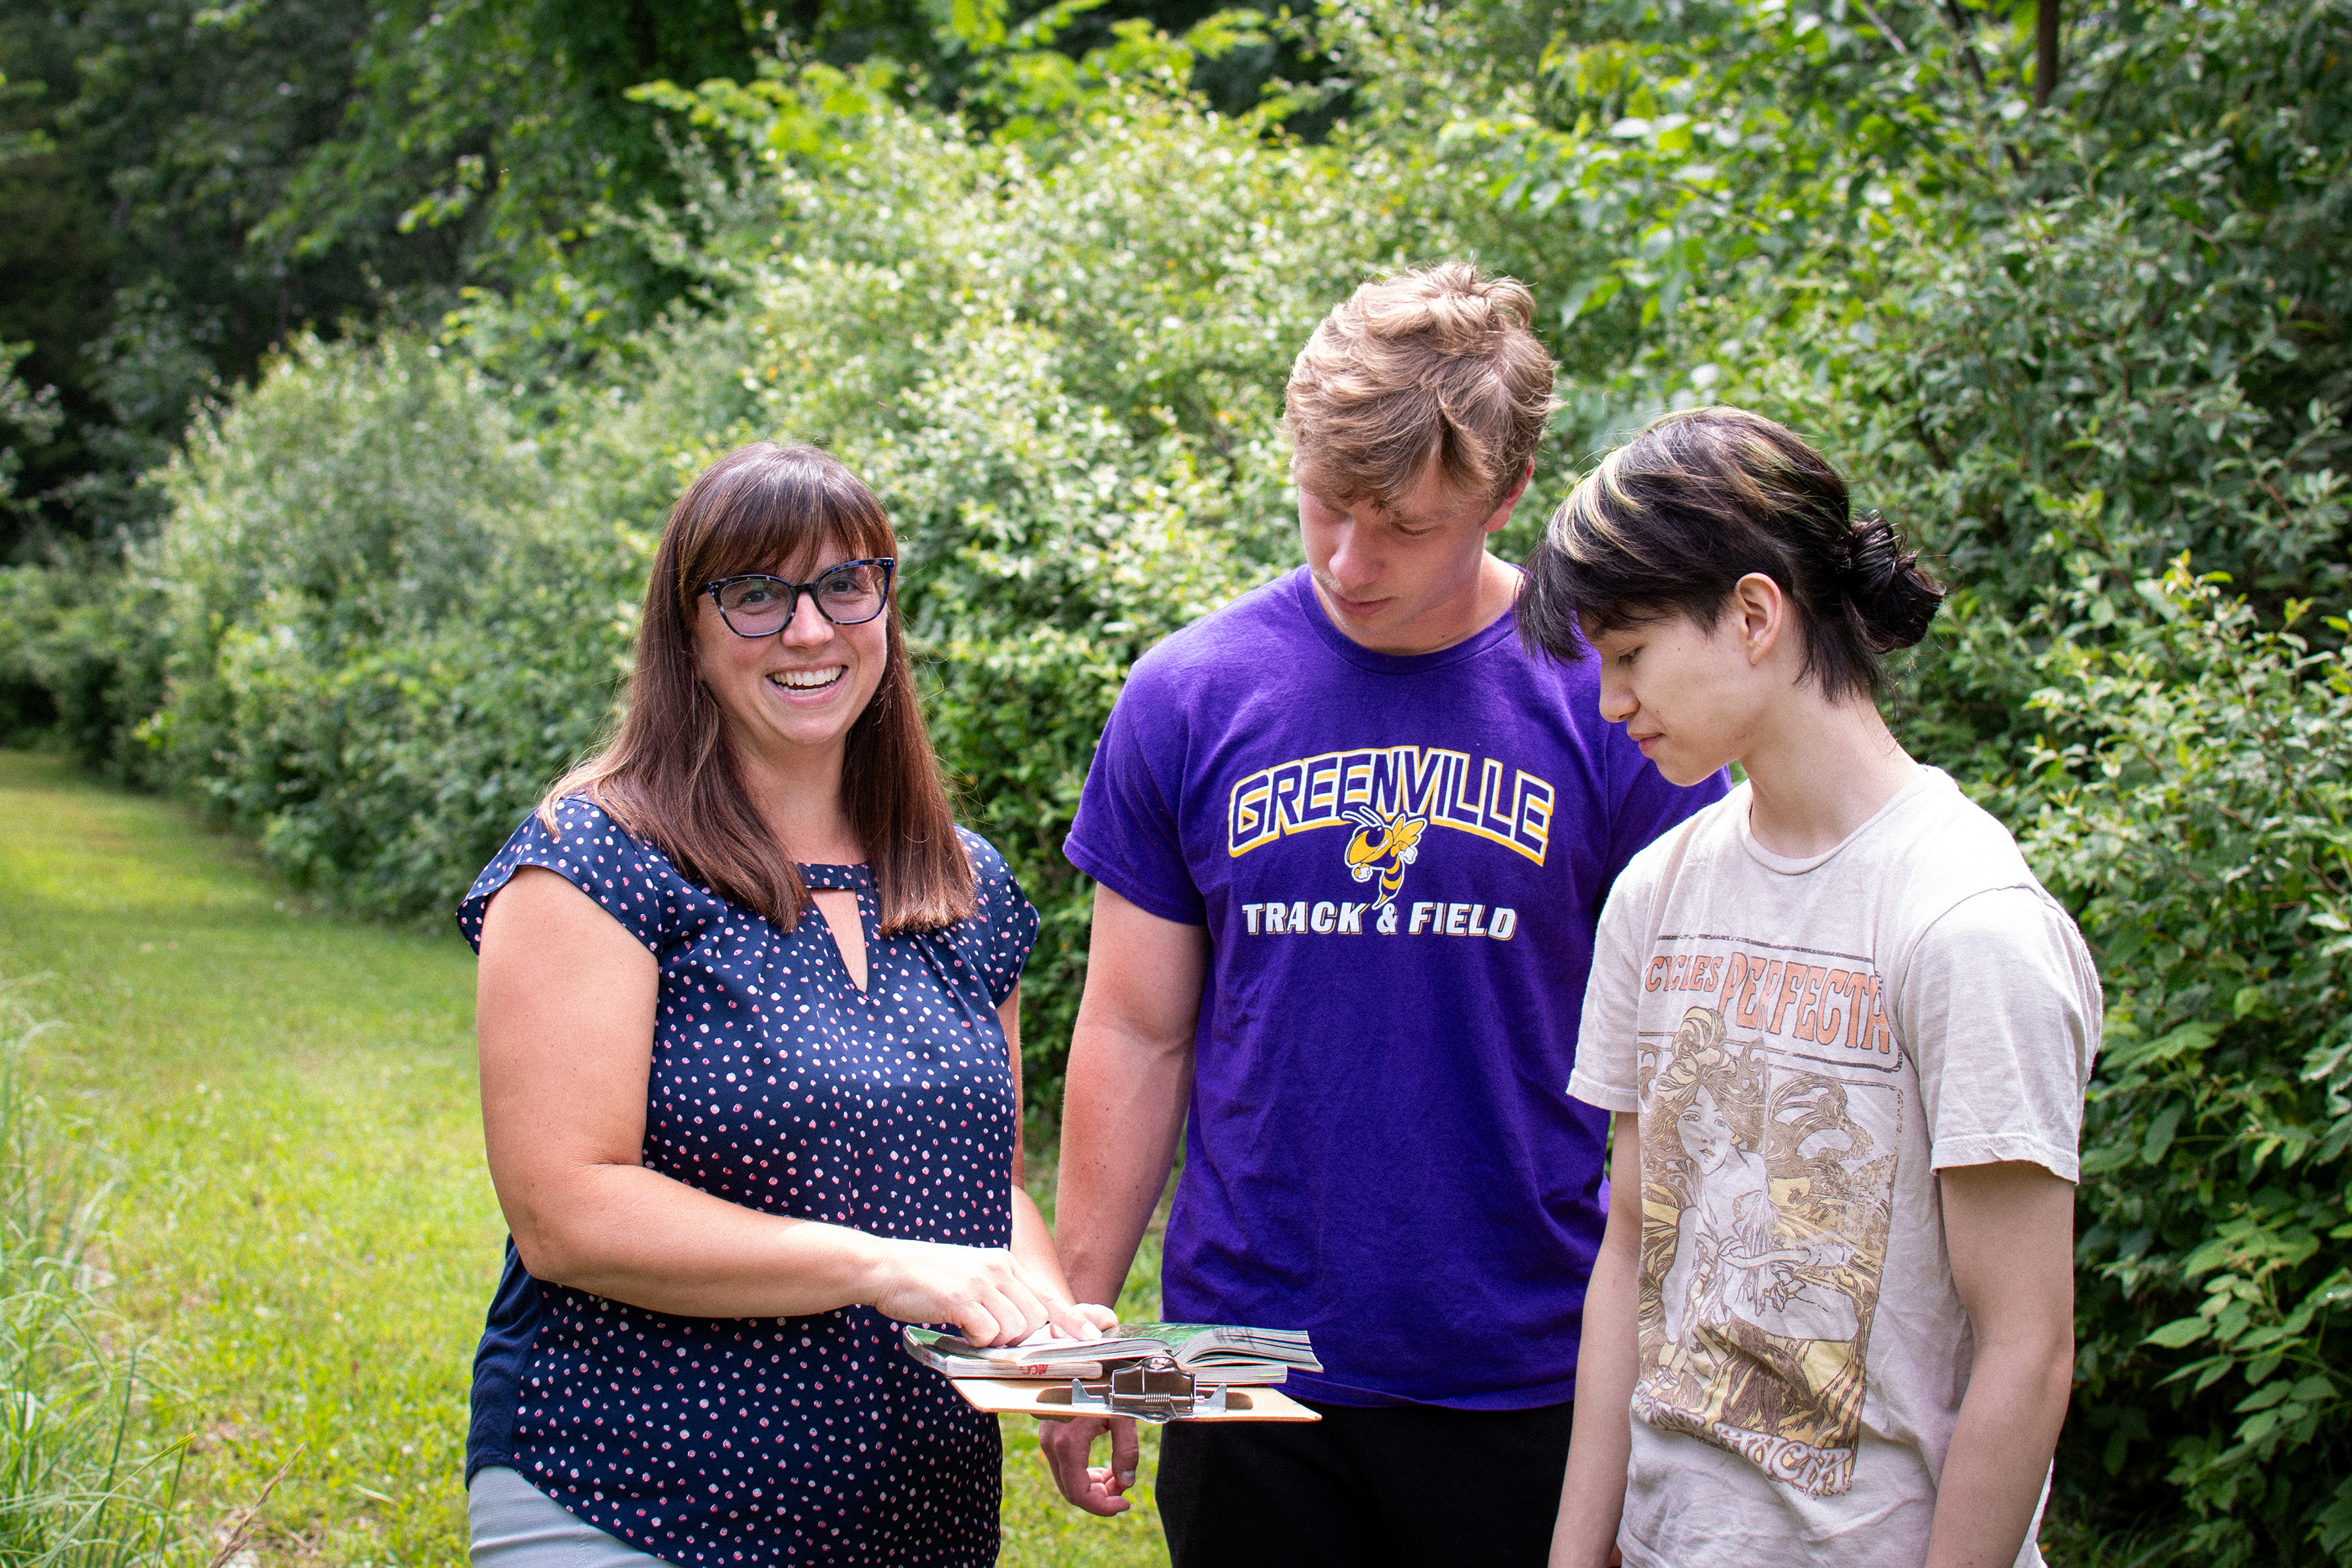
1212 1352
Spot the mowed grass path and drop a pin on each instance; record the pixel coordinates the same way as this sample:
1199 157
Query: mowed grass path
301 1215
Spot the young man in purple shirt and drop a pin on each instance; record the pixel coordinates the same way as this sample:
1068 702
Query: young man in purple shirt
1352 840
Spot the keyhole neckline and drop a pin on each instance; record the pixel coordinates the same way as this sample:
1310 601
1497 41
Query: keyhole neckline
860 985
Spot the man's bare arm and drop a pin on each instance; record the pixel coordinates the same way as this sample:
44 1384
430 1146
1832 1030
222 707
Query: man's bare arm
1032 1244
2010 1228
1123 1102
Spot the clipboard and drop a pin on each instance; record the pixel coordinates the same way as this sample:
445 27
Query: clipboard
1033 1397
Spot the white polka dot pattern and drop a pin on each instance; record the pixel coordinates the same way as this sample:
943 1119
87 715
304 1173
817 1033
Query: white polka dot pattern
776 1084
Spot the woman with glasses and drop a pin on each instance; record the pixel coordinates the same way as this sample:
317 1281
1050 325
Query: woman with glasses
751 1083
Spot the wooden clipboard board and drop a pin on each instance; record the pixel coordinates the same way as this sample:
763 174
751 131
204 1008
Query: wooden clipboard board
1033 1397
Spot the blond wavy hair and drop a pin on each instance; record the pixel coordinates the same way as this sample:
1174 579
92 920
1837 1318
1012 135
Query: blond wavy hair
1438 364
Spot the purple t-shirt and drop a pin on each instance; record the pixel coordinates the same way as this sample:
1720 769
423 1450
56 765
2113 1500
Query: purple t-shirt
1400 862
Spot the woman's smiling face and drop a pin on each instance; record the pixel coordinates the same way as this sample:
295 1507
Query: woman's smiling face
791 698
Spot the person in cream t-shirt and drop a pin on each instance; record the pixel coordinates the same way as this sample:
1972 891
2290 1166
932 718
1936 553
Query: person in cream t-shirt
1807 1043
1843 1036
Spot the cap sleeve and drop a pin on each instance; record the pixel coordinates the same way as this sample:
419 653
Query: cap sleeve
630 881
1003 928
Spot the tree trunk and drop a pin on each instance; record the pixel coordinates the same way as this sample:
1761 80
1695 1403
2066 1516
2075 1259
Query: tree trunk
2046 52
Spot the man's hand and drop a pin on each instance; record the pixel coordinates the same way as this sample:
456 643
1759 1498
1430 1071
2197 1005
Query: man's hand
1123 1109
1068 1444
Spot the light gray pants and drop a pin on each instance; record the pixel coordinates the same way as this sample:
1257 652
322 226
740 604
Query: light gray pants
516 1525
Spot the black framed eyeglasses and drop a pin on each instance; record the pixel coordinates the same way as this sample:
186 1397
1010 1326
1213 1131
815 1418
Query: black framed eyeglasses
759 605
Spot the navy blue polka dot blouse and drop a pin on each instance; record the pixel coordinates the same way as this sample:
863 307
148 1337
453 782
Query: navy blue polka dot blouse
778 1085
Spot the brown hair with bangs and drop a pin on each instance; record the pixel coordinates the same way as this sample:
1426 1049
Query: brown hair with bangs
669 776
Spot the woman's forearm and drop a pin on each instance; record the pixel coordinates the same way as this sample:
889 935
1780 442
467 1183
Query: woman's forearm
639 1237
634 1236
1592 1493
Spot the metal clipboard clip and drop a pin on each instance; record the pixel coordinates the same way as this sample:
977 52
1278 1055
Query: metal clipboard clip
1154 1390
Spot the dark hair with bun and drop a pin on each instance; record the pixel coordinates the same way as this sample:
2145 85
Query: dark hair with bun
1670 522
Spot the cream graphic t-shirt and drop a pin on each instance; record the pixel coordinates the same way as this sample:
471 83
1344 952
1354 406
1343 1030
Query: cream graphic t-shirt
1807 1043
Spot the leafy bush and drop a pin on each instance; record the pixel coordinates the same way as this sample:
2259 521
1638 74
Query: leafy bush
379 646
2128 348
2197 806
81 661
26 418
399 598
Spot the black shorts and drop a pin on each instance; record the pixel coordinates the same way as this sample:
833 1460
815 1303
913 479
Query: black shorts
1410 1485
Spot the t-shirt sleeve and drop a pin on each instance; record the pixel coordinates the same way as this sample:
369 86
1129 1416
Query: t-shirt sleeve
630 880
1126 834
1608 1049
2001 1005
1649 804
1006 922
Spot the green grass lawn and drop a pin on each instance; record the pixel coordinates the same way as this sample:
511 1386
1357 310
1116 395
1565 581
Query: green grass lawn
300 1213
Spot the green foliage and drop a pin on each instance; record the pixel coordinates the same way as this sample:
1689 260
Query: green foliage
373 648
189 186
1701 155
79 659
174 130
2197 805
2112 323
2109 343
29 419
398 600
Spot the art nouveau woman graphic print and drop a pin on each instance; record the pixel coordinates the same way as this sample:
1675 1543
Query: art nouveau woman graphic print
1765 1236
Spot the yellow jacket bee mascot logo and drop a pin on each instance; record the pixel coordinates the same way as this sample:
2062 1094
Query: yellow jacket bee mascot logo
1385 844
